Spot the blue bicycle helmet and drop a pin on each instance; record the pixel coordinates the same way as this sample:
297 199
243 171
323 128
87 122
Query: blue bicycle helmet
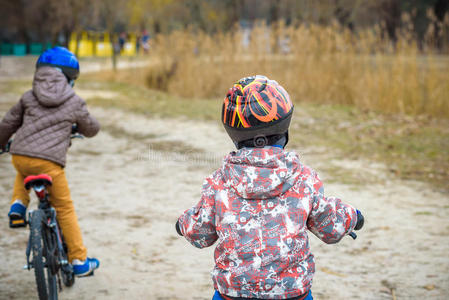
62 58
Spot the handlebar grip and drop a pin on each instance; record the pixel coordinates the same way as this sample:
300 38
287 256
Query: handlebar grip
178 229
6 149
74 128
353 235
360 221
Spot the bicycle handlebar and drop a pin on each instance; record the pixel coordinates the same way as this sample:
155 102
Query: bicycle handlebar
6 149
358 225
74 128
75 134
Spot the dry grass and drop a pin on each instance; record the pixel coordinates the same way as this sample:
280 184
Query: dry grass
414 148
315 63
356 95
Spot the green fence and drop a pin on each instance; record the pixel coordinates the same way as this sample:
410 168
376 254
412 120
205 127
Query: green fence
19 49
23 49
36 48
5 49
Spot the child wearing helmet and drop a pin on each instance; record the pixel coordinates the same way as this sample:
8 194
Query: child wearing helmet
42 122
261 202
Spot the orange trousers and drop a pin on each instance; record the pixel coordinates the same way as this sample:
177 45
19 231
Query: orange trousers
59 198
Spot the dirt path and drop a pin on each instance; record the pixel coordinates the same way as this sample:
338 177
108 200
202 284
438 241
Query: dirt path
18 68
132 181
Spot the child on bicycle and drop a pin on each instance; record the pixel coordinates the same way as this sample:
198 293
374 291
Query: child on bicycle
261 202
42 122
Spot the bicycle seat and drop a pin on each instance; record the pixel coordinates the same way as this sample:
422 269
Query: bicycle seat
33 180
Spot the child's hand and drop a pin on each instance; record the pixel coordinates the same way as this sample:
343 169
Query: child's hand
74 128
178 230
360 221
5 148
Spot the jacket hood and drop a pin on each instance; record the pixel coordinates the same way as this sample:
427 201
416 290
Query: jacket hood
261 173
50 87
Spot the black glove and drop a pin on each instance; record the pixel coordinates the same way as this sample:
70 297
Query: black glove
5 148
360 221
178 230
74 128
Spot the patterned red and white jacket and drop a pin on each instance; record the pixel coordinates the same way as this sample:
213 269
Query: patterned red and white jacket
258 206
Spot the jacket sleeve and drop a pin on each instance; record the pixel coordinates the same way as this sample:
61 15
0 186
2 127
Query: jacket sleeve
10 123
87 124
329 219
197 224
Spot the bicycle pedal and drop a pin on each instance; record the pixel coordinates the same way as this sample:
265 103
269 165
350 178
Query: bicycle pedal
16 223
88 275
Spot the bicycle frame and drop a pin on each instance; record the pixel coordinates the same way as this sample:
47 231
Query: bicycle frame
51 224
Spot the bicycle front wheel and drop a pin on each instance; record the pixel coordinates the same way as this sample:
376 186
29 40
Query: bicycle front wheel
46 282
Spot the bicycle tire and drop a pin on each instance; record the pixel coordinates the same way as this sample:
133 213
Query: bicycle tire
45 281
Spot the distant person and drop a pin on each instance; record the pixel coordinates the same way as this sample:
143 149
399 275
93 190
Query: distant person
145 41
137 44
42 122
261 202
116 46
122 41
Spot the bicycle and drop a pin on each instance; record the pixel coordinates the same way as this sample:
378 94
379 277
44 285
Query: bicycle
46 242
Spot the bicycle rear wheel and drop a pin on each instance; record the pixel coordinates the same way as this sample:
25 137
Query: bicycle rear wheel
46 281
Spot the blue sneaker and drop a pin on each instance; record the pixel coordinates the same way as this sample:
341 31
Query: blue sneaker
85 268
17 215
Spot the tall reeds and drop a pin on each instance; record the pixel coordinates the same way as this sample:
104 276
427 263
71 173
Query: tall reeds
322 64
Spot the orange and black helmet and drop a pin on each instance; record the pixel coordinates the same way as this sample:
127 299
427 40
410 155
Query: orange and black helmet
256 109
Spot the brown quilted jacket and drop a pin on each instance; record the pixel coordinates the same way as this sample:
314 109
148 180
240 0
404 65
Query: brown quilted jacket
42 119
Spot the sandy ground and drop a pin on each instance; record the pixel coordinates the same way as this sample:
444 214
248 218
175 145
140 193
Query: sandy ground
132 181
